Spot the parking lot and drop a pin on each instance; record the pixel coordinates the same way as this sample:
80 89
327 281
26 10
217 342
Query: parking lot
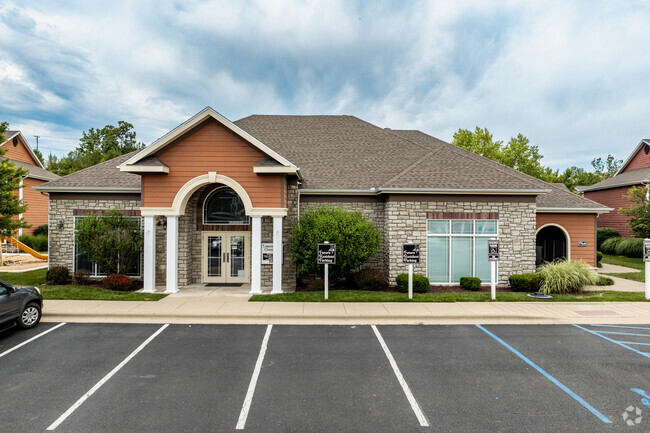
121 377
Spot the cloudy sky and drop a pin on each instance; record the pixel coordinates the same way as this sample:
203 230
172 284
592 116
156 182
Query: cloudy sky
573 76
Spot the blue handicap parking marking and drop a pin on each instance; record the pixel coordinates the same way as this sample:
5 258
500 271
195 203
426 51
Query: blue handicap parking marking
623 343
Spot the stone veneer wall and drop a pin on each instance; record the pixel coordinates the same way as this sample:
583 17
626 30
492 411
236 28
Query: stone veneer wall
372 210
61 240
406 221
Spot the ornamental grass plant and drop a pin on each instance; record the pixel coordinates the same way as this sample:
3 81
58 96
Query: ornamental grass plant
562 277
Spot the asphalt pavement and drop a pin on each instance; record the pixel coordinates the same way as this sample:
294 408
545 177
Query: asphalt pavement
290 378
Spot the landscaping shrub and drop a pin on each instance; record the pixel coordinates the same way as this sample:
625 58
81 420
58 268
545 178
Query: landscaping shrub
41 230
470 283
38 243
605 281
113 241
369 278
420 283
599 258
628 247
58 275
81 278
563 277
525 282
118 282
356 239
604 233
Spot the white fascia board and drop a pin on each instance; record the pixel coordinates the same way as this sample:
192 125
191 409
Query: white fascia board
465 191
144 168
197 119
617 185
629 158
573 210
286 170
312 191
29 148
99 190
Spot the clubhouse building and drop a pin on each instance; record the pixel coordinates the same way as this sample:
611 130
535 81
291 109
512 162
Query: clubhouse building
218 201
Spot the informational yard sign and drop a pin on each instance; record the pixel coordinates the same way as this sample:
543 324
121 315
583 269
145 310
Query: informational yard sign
411 254
267 253
326 254
646 250
493 251
646 259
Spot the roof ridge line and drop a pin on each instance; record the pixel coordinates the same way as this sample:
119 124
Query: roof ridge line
415 164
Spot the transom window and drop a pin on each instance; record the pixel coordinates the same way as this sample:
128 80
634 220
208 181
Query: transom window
458 248
223 206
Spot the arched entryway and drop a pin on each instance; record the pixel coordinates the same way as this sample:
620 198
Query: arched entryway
552 243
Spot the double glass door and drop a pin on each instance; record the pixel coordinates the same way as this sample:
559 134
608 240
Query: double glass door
226 257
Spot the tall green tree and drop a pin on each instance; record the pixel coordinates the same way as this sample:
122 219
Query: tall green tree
519 154
10 204
639 211
96 146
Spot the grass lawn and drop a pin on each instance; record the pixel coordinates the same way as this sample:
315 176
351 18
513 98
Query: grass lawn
624 261
85 293
27 278
364 296
630 263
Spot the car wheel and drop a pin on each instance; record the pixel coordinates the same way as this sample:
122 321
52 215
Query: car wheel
30 316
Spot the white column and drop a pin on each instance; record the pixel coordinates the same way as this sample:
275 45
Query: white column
172 254
20 197
149 254
256 254
277 254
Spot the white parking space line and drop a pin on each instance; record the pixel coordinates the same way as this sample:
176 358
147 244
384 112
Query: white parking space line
31 339
99 384
409 395
251 387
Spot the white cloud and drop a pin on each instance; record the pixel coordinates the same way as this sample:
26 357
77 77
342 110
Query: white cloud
569 75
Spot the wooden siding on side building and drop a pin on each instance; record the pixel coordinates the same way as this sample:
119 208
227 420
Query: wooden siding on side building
614 198
581 227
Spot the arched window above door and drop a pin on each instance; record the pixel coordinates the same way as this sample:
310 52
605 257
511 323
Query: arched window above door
223 206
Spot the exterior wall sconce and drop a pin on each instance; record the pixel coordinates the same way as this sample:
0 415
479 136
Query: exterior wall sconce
161 221
59 224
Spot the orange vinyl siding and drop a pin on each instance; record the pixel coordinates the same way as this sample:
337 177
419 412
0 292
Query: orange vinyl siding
581 227
36 213
212 147
614 198
18 153
640 160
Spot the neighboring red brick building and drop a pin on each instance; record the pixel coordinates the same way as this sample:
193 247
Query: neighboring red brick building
18 151
611 192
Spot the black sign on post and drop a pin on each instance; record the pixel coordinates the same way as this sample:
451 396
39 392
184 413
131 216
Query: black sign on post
326 254
493 251
411 253
646 250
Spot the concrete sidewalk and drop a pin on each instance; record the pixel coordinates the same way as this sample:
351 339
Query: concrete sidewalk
237 310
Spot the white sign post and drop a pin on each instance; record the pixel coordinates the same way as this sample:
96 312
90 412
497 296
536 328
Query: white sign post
326 255
493 257
646 259
411 255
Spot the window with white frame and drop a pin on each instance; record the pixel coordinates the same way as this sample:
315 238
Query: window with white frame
83 263
458 248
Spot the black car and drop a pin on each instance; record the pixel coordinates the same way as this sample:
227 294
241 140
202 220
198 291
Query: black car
20 304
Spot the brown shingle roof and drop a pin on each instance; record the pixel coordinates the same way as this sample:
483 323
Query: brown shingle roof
101 177
34 171
347 153
633 177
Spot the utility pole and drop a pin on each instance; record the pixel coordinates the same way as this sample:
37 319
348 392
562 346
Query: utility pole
36 136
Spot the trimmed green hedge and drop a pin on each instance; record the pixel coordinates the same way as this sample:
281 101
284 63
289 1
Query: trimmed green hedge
604 233
420 283
525 282
628 247
470 283
38 243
